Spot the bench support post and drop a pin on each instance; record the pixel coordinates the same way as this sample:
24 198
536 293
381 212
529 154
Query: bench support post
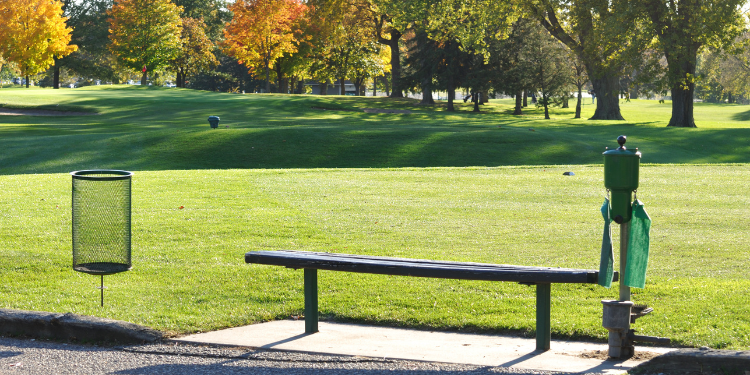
543 308
311 300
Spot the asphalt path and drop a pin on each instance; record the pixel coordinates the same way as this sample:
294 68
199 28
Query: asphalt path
28 356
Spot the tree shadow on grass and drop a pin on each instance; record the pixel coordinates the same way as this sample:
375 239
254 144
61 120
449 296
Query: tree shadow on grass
741 116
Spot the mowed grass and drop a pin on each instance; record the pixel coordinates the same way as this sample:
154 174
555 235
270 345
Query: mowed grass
189 273
167 129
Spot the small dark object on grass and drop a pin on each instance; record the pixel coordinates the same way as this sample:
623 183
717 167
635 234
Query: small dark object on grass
569 174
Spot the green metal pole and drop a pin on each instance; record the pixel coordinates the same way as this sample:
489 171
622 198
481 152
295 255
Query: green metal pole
543 308
311 300
624 238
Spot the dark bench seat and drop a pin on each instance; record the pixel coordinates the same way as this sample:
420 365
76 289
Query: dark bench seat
542 277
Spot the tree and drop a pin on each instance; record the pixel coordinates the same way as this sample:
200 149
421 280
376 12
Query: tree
213 13
7 71
549 66
420 67
510 72
579 79
684 28
389 35
602 34
93 59
724 76
196 52
33 33
263 31
145 34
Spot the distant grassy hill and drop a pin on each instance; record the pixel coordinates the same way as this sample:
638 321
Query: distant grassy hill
155 129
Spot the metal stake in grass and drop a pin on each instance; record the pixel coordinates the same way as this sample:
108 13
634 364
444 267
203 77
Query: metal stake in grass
102 288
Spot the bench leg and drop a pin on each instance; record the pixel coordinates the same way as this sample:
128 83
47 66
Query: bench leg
543 307
311 300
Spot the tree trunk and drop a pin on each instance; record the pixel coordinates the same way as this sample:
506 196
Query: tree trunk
342 88
451 95
396 92
56 77
268 75
579 101
546 108
525 98
607 90
27 81
565 100
476 99
427 91
279 80
324 88
284 86
519 103
682 106
375 86
293 84
301 86
387 87
144 78
179 82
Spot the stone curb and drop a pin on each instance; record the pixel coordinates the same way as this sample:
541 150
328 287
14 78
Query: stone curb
70 326
697 361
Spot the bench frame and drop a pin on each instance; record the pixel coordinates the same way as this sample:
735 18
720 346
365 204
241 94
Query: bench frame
311 262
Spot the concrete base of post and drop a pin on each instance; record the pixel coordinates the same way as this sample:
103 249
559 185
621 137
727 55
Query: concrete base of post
616 319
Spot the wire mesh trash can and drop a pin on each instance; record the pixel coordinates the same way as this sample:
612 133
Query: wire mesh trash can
101 221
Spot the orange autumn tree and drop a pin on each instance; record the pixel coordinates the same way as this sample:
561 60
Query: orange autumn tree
263 31
33 33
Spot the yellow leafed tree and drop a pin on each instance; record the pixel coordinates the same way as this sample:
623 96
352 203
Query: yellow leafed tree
33 33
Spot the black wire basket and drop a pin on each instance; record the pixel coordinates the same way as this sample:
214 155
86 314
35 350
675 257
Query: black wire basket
101 221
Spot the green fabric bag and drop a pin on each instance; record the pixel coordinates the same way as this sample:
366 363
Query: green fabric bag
606 264
638 243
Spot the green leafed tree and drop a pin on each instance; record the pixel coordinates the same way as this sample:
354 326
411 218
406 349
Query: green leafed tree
683 29
93 59
604 35
145 34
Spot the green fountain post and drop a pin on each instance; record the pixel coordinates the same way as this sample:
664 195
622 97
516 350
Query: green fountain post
621 179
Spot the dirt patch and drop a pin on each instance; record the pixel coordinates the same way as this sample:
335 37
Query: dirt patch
602 355
41 112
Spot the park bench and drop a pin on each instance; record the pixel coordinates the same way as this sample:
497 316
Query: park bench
542 277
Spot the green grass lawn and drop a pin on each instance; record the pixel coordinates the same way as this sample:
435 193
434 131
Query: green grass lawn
167 129
286 176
